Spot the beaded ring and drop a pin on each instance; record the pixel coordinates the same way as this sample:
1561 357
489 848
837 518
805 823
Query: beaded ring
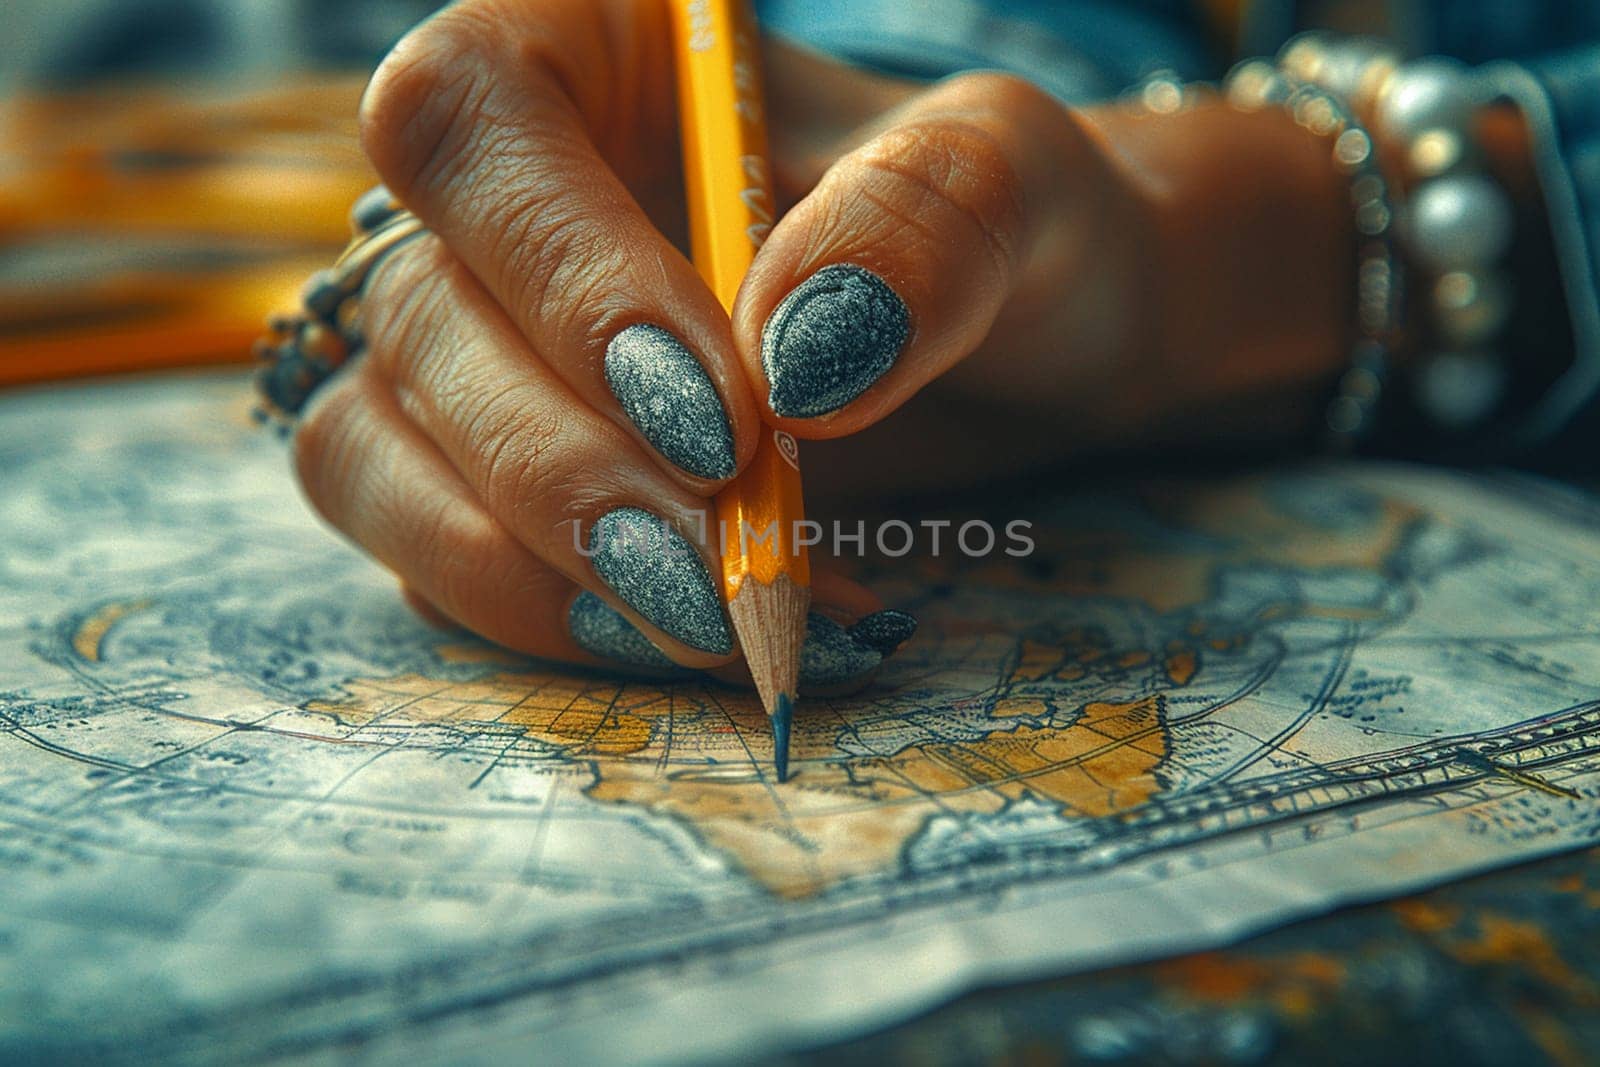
301 351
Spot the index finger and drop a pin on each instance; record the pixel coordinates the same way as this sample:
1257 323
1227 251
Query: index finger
475 122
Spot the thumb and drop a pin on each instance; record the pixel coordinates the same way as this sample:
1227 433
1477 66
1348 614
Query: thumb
895 266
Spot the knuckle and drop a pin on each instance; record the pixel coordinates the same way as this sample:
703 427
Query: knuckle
482 586
488 583
936 174
439 538
466 557
1001 94
529 472
559 259
1028 115
541 476
325 447
403 307
422 104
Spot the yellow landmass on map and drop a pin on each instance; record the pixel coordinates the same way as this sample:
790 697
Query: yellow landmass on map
839 817
1101 765
92 631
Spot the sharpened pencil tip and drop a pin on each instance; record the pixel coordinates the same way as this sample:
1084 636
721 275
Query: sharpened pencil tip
782 714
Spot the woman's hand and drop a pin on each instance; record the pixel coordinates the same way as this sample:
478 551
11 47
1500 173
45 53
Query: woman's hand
546 370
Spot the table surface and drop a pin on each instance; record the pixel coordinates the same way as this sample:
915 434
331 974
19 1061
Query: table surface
1500 968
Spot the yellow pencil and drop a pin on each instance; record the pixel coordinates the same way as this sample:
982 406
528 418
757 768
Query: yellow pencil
765 571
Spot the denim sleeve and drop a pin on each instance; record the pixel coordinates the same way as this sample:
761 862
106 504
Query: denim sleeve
1560 96
1079 50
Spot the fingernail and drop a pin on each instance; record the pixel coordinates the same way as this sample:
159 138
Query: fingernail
833 654
835 334
661 576
665 392
884 630
603 630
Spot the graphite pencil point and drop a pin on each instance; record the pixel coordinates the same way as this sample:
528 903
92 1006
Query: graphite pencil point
782 714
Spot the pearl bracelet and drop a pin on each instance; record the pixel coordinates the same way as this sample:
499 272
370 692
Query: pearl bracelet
1457 223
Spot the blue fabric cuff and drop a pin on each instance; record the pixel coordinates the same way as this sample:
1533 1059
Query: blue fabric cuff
1560 99
1080 52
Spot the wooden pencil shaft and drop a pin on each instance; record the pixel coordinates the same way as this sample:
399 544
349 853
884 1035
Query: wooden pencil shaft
774 616
728 179
723 120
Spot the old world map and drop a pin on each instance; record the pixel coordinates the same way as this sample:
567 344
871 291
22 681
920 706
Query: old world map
251 806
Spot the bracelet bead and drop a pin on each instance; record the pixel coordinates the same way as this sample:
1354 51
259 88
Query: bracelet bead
1428 94
1469 307
1457 222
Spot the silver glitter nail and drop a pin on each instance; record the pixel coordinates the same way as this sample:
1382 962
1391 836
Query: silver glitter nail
665 392
835 334
884 630
661 576
830 655
603 630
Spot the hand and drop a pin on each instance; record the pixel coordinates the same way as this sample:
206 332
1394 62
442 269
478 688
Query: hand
548 362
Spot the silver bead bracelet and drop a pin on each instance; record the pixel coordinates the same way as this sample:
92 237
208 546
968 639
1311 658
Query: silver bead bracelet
1456 223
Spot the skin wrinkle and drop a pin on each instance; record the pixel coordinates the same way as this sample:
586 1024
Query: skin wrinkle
322 450
427 388
515 440
522 458
891 209
487 424
460 178
533 243
436 536
546 478
424 108
395 316
548 247
471 561
597 310
825 218
591 103
963 167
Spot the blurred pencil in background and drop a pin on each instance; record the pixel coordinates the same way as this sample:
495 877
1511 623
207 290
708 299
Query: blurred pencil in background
145 229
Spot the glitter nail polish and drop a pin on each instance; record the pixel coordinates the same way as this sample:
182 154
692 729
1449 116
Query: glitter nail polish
599 628
884 630
661 576
830 655
665 392
835 334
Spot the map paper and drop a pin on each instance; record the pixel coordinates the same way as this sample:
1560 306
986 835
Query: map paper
252 807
